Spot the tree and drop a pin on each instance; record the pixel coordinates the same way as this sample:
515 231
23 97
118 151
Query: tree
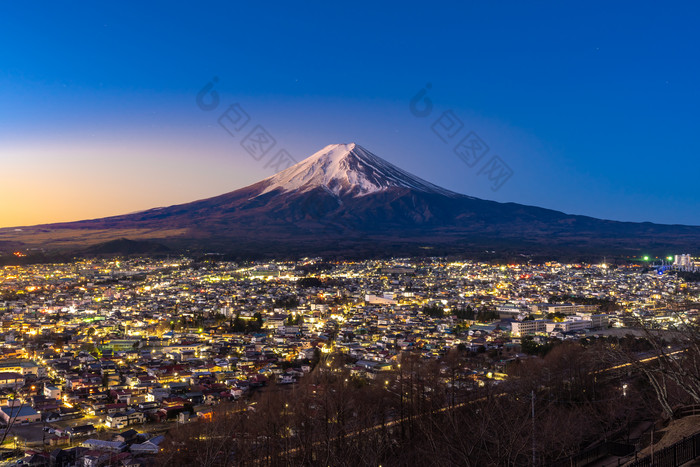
556 316
674 370
486 315
238 325
424 412
287 303
530 347
434 311
257 323
465 313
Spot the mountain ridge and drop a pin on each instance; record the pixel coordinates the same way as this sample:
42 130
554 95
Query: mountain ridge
345 197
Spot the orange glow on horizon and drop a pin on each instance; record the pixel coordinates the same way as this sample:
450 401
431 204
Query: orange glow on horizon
73 182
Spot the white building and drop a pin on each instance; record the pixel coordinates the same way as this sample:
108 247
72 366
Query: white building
683 262
532 326
123 419
52 392
597 320
568 325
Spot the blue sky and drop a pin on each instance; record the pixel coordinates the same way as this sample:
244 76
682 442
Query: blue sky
593 106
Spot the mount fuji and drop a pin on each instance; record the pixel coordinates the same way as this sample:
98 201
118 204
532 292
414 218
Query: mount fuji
345 201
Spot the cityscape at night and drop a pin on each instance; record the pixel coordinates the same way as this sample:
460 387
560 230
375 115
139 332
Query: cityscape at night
349 234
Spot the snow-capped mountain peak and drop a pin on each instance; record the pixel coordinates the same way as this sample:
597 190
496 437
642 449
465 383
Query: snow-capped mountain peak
347 169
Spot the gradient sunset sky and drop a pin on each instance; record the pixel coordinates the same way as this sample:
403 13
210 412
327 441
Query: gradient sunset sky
593 106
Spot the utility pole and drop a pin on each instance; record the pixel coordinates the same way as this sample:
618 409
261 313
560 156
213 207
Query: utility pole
533 427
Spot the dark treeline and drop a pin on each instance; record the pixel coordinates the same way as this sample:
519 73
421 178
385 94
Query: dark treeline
287 302
688 275
9 259
467 312
424 412
246 326
311 281
605 305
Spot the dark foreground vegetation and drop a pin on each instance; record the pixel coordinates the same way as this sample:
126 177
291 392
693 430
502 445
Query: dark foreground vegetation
437 412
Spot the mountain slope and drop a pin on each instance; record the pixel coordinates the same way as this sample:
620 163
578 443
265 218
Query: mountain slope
344 199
